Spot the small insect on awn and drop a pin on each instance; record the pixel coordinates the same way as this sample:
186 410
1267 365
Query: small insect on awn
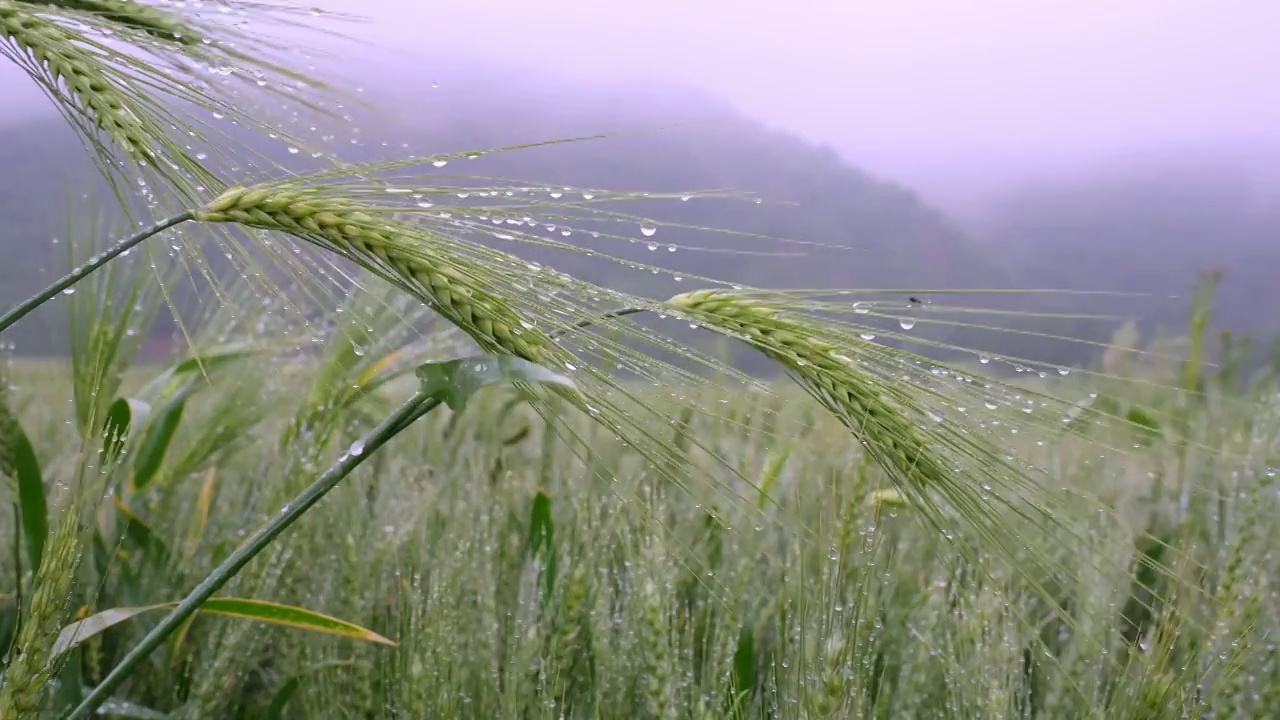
914 300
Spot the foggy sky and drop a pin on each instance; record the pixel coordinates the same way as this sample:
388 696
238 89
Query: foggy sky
949 97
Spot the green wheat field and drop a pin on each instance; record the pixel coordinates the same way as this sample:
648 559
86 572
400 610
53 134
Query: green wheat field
333 444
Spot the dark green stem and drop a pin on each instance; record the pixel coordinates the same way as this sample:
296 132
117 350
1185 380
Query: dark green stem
88 268
417 406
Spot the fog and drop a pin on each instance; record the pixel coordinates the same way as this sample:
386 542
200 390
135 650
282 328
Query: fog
957 100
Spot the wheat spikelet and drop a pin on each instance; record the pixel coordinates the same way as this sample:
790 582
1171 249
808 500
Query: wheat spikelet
656 661
81 72
28 675
854 396
393 250
132 14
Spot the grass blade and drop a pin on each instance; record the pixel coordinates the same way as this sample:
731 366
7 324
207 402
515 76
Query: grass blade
31 498
245 609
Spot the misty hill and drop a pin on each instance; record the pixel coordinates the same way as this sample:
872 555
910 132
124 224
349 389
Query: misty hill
1146 226
1153 225
883 235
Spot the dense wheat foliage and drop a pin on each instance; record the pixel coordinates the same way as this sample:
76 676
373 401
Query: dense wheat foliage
521 579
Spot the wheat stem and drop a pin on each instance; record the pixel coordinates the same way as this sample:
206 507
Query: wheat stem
80 273
418 405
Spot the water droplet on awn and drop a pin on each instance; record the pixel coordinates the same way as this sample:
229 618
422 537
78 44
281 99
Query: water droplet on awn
648 230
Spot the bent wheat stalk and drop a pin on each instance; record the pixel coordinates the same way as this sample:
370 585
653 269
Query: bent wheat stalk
417 406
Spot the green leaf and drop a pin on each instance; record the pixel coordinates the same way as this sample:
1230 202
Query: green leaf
155 551
31 500
541 535
743 678
277 614
1148 427
455 381
259 610
209 360
121 417
159 433
282 696
541 527
275 711
81 630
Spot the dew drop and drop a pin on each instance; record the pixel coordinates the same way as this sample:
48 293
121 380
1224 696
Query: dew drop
984 359
867 336
69 291
862 307
648 230
907 323
440 163
293 150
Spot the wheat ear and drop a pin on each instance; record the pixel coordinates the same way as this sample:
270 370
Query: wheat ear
28 675
80 71
886 428
397 252
131 14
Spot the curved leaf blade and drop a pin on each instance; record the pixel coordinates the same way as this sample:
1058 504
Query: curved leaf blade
455 381
292 616
245 609
81 630
155 441
123 414
32 504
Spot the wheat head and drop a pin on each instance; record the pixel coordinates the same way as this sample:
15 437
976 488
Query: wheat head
887 429
399 253
129 13
33 665
81 72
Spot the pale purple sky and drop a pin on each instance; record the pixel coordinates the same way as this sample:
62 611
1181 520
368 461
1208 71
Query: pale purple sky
939 94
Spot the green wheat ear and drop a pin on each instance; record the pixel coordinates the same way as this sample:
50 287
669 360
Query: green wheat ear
406 256
119 98
134 15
